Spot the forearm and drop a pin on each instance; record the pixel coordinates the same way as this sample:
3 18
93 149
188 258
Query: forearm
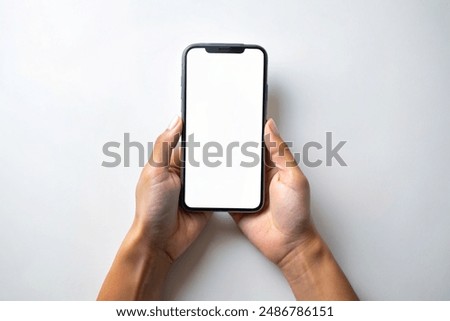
313 273
138 271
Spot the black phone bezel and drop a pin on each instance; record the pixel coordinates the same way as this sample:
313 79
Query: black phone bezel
229 48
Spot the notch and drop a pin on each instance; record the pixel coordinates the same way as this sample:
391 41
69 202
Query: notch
225 49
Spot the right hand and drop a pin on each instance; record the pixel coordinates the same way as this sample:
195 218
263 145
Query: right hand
284 223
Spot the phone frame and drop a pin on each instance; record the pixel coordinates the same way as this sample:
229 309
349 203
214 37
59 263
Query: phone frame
222 48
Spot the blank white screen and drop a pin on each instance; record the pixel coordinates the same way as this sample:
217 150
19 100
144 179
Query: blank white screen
224 104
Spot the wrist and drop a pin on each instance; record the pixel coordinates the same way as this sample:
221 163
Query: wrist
138 271
313 273
144 235
303 258
151 263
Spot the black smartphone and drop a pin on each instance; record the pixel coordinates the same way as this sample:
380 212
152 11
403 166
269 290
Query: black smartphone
224 96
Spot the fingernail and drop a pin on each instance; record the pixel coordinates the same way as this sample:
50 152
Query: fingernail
273 126
174 122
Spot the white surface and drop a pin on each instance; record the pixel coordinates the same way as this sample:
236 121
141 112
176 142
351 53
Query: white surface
74 75
224 107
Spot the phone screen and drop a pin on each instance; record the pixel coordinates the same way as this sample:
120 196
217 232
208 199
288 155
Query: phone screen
224 103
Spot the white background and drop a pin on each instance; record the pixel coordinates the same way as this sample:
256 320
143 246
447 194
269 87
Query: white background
77 74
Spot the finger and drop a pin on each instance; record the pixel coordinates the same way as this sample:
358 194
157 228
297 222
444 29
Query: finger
175 160
247 222
190 225
279 153
165 143
236 217
278 150
268 164
198 220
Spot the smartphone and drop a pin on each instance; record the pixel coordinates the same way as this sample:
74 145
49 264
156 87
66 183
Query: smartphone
224 96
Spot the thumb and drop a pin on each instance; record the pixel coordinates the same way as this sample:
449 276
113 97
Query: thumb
279 152
165 143
281 157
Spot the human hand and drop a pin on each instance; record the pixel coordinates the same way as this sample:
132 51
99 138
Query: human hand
283 230
161 230
284 222
166 226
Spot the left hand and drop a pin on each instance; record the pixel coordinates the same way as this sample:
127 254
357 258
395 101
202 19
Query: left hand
165 225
